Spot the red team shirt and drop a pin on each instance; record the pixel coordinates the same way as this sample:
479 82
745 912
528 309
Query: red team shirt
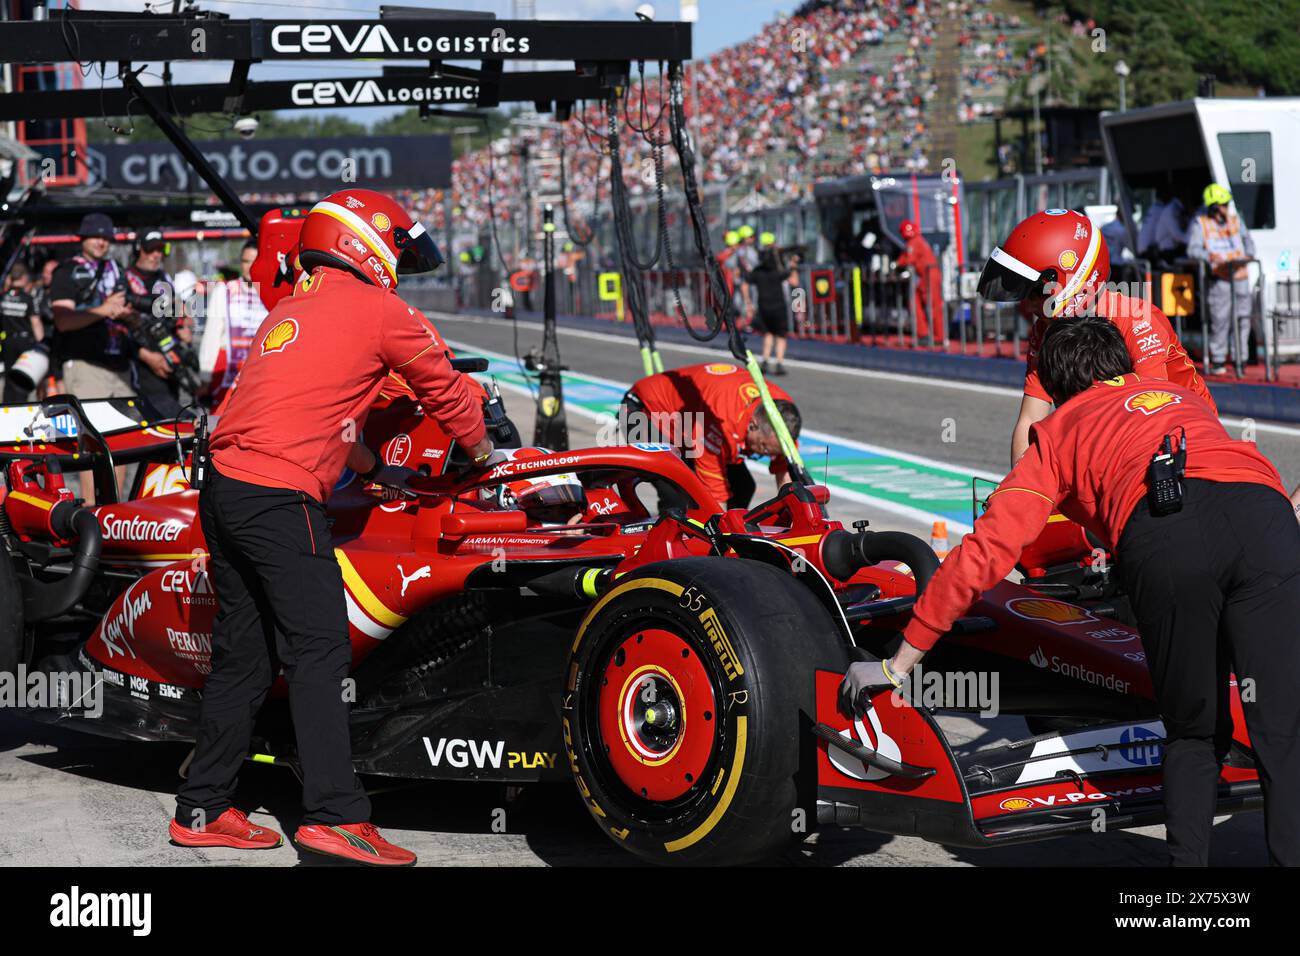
1088 459
1152 345
318 362
725 398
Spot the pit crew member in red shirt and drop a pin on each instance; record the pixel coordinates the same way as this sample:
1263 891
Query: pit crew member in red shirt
1213 585
919 256
713 414
316 365
1056 263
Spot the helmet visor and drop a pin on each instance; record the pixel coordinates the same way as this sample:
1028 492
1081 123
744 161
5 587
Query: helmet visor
416 250
1007 279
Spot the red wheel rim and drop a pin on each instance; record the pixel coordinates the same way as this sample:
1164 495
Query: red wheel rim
657 714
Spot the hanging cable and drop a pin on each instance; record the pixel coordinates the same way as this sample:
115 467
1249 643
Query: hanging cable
633 279
717 283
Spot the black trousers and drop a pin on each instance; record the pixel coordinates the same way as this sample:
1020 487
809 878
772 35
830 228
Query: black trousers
280 597
1216 589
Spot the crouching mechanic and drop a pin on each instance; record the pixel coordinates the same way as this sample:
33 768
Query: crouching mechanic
1055 264
1213 585
316 364
713 414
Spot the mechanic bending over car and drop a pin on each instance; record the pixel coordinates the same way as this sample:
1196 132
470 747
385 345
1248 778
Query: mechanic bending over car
712 413
317 363
1213 584
1055 264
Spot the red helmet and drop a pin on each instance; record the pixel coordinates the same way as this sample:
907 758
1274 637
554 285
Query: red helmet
549 499
1055 253
368 234
907 228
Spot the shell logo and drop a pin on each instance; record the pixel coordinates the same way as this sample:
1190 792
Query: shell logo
381 222
1016 803
1150 402
1046 609
720 368
280 337
1068 260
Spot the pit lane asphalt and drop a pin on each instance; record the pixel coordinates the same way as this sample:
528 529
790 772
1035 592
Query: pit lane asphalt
71 799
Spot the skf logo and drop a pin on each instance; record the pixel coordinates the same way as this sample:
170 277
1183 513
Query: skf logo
720 368
280 336
1067 260
381 222
1148 403
1045 609
1016 803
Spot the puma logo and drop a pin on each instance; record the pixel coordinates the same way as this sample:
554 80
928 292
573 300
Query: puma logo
423 572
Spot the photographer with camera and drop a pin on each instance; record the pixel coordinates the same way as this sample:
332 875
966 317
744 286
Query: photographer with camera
159 328
21 334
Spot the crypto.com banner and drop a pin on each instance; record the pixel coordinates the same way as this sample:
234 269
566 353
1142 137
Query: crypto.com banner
307 164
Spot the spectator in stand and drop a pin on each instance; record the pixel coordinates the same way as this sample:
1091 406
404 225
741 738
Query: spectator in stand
1218 237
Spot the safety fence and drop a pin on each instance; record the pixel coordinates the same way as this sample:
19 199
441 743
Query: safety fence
879 304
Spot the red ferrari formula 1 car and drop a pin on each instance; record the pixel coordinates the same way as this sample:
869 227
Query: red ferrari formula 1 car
679 663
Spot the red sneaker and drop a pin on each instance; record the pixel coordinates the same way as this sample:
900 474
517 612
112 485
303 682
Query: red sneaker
231 829
358 842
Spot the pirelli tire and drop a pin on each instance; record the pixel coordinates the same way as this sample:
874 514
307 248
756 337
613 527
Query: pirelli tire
689 698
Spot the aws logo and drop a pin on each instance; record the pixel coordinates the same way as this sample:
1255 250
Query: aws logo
1045 609
280 337
1152 401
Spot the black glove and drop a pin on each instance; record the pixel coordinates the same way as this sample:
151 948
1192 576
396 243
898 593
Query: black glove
392 476
861 681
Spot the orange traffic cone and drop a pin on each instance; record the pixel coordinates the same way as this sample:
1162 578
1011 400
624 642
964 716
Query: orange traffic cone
939 539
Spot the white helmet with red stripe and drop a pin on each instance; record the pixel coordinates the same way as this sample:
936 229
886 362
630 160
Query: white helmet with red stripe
1057 255
368 234
549 499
